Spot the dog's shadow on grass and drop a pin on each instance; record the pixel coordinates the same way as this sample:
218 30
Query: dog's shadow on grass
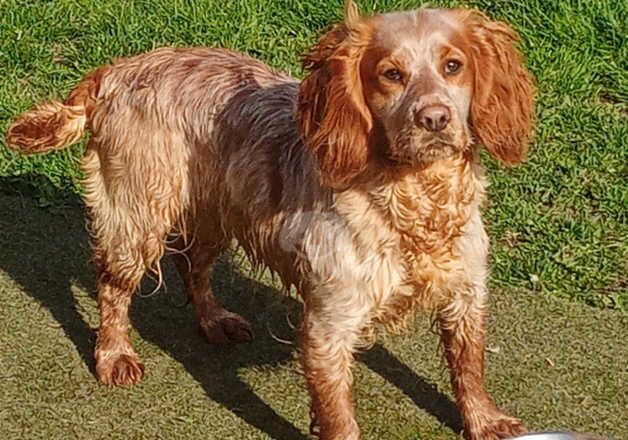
47 250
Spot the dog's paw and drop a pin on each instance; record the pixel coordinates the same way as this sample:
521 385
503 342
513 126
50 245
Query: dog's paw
120 370
499 428
225 327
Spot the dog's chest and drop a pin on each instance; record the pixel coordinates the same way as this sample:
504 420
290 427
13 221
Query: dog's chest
434 215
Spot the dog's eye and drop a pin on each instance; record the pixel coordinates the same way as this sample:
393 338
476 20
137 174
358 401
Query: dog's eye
452 67
393 75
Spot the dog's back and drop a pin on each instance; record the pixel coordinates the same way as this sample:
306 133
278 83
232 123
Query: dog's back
185 124
177 137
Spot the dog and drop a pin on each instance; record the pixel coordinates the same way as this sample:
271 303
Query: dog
361 186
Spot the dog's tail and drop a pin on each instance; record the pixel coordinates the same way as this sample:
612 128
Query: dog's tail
55 125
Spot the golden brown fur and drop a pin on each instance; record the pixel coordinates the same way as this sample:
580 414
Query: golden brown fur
361 186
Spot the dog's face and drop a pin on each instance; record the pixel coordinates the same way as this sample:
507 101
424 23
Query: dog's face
417 84
414 87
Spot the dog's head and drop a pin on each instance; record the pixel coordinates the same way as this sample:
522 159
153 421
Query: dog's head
413 87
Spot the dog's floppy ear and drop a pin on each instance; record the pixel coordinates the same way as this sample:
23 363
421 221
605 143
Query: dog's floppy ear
502 107
334 119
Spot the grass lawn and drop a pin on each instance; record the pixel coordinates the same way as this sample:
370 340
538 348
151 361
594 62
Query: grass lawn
558 225
560 220
557 364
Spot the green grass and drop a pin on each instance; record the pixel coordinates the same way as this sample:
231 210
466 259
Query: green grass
558 224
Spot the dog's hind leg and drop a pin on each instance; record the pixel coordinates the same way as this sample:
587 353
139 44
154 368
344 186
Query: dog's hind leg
132 205
194 262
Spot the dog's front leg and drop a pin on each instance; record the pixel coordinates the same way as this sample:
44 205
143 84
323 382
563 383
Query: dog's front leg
327 343
462 326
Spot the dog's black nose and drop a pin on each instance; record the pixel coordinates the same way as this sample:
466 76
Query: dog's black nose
433 117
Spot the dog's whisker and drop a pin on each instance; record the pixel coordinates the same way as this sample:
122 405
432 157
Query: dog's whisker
277 338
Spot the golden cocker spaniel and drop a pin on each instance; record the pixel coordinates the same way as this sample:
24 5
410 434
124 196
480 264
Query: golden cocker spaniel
360 186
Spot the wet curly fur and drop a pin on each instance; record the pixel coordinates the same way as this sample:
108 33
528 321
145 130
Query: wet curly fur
361 186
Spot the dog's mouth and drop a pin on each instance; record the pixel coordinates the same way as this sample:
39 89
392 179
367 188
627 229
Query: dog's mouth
439 149
420 151
413 146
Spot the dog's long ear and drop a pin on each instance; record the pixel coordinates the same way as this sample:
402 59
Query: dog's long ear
334 119
502 107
